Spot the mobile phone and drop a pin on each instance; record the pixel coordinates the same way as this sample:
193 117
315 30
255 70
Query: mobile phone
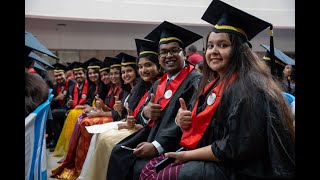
165 162
128 148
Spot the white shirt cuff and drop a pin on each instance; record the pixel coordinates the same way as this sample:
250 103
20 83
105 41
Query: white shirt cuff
158 147
144 119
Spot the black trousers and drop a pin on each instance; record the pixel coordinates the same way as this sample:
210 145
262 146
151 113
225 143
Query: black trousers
57 122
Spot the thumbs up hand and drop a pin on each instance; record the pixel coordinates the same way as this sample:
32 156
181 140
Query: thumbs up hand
117 105
60 96
101 105
183 118
153 109
131 122
70 101
98 102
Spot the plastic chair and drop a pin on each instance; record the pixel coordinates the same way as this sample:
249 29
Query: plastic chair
35 145
290 98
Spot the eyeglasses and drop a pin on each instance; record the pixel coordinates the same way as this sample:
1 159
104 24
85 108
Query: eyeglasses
174 51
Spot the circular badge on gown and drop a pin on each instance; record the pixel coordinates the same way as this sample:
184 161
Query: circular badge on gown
211 99
168 94
84 96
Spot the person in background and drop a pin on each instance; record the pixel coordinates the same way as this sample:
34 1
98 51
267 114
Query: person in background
33 44
69 72
58 103
61 86
39 68
77 96
192 55
289 79
160 133
36 92
284 71
199 67
240 126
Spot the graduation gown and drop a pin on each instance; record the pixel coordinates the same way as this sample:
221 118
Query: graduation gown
58 112
56 104
250 144
122 162
92 92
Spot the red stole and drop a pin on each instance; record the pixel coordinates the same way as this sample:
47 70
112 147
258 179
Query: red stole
173 86
113 91
64 92
31 70
142 100
191 137
83 94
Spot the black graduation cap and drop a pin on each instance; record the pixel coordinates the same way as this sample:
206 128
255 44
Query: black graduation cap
34 57
226 18
146 48
167 32
92 63
75 66
106 63
279 56
116 62
37 65
32 43
59 67
126 59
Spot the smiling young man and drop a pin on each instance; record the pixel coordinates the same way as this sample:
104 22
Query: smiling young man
160 133
58 103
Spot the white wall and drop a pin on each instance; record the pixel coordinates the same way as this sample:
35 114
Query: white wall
115 36
281 13
113 24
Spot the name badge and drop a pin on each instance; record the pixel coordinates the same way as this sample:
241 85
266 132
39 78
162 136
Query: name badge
168 94
211 99
84 96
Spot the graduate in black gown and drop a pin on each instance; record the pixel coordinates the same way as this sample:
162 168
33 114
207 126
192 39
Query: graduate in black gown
130 77
160 133
284 71
240 127
58 104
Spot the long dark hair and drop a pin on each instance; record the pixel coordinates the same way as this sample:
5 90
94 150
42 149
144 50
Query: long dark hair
253 75
104 88
96 70
127 87
140 88
92 86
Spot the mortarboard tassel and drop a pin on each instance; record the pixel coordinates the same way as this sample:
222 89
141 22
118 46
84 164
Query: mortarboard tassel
272 51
